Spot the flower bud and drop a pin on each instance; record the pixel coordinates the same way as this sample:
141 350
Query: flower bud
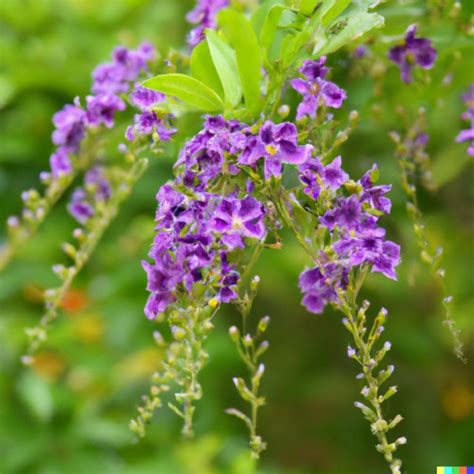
283 111
248 341
234 333
213 303
263 324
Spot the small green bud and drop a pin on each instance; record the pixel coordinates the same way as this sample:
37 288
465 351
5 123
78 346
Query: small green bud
254 283
263 324
234 334
262 348
248 341
284 110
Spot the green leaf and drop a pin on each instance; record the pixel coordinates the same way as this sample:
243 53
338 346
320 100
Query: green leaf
187 89
203 69
242 38
225 62
352 27
270 25
292 45
307 6
331 9
258 17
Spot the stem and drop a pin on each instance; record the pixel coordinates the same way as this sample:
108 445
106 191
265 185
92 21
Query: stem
54 297
34 216
355 323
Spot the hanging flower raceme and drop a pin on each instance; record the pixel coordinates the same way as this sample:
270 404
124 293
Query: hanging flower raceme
414 51
467 135
204 16
110 79
356 240
315 90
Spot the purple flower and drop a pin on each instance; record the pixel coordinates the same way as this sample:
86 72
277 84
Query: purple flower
96 179
203 155
375 195
360 51
333 175
127 64
315 90
413 51
148 122
278 144
319 286
102 108
370 247
235 219
79 206
70 125
144 98
203 15
60 163
96 188
468 134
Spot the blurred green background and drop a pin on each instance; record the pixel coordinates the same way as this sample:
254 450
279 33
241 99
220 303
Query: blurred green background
70 413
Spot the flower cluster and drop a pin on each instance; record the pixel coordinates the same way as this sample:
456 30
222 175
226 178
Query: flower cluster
204 16
72 121
467 135
147 121
223 147
85 200
198 228
315 89
193 240
352 223
413 51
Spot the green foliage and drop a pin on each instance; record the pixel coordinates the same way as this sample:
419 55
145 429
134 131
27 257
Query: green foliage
69 413
225 63
243 39
189 90
202 67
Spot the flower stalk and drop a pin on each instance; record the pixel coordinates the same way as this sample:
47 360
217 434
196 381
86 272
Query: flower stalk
413 160
368 357
87 241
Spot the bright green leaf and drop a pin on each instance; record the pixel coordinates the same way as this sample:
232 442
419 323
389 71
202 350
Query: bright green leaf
292 45
353 27
225 63
307 6
270 25
203 68
258 17
331 9
187 89
242 37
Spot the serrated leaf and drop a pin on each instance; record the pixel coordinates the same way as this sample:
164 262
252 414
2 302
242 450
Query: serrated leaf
203 69
225 62
187 89
242 38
